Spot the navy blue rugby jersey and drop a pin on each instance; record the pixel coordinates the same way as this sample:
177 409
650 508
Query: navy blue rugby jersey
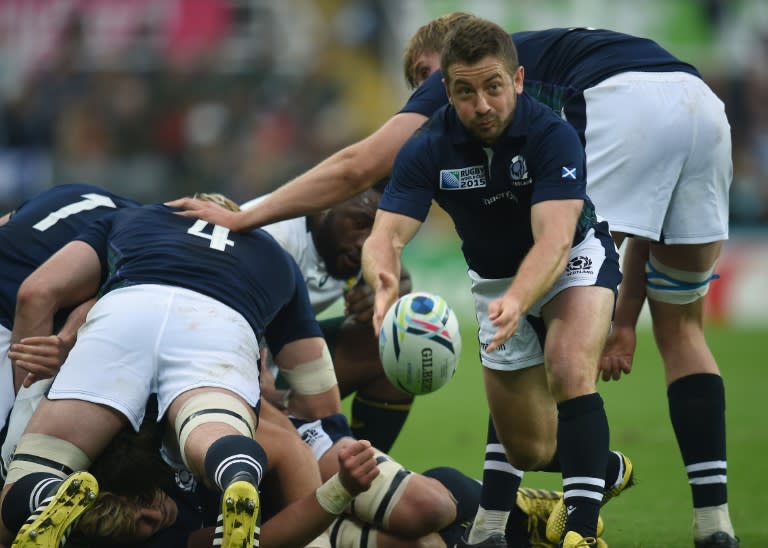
41 226
560 63
488 190
248 272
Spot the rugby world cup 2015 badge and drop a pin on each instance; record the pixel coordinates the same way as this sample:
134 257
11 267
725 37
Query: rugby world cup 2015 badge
463 178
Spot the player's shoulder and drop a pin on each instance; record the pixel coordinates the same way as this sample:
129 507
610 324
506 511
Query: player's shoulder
545 123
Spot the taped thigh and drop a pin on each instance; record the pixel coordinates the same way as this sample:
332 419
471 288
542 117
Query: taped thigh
346 533
44 453
312 377
375 505
208 407
671 285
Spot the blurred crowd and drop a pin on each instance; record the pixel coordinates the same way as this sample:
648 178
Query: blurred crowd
158 99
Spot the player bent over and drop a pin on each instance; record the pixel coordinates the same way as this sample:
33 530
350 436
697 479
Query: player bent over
187 334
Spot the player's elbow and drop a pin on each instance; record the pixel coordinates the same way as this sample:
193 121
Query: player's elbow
35 293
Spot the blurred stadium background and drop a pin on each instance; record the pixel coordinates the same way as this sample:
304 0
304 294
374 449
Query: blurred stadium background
155 99
160 98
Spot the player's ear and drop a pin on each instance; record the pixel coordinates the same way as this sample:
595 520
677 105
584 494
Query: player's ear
447 91
519 79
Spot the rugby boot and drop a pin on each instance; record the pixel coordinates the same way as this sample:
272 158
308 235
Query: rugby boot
574 540
717 540
559 516
51 523
238 523
538 504
494 541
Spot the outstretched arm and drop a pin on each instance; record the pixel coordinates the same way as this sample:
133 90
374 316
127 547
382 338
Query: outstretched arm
337 178
306 518
381 259
553 223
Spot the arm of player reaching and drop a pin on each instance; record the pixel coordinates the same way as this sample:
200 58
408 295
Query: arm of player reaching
620 346
553 223
307 517
337 178
381 259
70 277
307 366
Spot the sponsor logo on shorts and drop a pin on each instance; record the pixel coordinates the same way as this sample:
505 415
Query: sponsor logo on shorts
580 264
463 179
518 171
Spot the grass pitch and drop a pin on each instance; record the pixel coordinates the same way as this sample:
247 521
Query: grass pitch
447 428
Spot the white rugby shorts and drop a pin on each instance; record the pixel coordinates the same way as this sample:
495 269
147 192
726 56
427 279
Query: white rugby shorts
658 149
588 264
7 393
154 338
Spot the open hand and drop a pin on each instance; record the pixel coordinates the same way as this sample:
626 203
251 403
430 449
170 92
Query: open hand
206 210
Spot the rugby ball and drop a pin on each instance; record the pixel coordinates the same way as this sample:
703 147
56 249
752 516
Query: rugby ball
419 343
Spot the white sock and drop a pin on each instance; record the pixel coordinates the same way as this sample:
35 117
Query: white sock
710 520
487 523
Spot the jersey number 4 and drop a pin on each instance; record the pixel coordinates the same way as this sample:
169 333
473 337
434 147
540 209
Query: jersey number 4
218 236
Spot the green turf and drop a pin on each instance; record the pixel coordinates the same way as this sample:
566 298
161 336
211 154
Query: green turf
448 428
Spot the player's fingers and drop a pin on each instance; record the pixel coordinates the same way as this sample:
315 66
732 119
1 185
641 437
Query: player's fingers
40 339
39 370
182 203
195 213
29 380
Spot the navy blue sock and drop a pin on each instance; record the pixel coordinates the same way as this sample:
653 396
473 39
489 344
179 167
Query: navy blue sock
582 440
466 492
26 495
697 411
379 422
234 458
500 479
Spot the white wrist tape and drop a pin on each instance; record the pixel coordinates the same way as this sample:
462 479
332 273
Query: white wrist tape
332 496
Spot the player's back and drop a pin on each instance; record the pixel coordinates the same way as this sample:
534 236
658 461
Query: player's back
559 62
41 226
248 272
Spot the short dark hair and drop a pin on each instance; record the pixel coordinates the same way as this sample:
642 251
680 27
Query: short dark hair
471 39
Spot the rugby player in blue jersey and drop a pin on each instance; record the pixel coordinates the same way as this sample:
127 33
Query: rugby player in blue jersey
182 305
511 174
659 167
29 235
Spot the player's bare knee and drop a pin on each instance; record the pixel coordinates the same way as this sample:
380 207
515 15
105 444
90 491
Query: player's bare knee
33 455
425 507
528 452
674 286
205 408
